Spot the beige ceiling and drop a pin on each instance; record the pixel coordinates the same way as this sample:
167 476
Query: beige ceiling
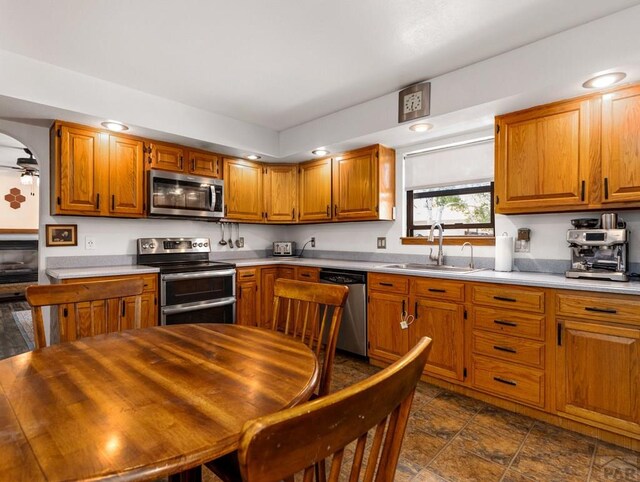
279 63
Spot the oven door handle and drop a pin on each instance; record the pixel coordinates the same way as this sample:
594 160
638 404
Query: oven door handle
202 306
199 274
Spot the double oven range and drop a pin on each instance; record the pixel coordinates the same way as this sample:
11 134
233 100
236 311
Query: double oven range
192 288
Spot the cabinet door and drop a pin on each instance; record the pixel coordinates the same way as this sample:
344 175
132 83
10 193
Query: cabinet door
355 185
314 180
598 374
444 324
387 340
167 158
267 282
542 158
281 193
243 190
204 164
307 273
247 305
81 171
621 145
126 177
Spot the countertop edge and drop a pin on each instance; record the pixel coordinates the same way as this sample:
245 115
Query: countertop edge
90 272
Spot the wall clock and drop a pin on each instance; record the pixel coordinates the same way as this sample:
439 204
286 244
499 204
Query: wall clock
414 102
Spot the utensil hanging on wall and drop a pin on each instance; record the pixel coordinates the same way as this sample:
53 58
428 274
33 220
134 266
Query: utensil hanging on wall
222 242
238 243
230 240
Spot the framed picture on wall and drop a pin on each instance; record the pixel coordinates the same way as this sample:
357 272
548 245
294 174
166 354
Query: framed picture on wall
62 234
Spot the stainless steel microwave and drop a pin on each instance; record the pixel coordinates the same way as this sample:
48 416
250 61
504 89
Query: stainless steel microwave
184 195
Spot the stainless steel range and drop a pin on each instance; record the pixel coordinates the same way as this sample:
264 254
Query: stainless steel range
192 288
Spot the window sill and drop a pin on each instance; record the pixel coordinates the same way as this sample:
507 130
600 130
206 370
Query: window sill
452 240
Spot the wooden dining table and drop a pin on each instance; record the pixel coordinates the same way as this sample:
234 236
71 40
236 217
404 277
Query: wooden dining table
142 404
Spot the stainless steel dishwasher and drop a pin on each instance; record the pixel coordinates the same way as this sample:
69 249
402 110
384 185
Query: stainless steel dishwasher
353 328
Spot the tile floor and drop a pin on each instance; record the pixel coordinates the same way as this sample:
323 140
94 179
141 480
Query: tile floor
453 438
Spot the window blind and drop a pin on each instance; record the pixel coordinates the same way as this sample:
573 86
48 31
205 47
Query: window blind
463 163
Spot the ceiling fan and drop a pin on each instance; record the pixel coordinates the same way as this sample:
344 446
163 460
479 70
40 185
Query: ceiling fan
28 166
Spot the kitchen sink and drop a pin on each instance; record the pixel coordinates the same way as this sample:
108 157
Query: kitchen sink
432 267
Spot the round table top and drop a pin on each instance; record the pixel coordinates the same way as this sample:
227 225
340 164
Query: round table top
142 404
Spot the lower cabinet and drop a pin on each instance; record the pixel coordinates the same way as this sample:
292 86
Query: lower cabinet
247 297
598 373
387 340
106 316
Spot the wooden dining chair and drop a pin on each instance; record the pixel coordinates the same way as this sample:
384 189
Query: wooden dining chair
311 312
296 440
87 309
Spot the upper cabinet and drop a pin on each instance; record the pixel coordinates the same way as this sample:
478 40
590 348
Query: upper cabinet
170 157
314 181
621 146
364 184
243 190
96 173
574 155
280 193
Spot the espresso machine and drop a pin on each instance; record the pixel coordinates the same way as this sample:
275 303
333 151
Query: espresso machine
599 248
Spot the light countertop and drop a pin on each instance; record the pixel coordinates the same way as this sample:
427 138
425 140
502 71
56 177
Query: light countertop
544 280
89 272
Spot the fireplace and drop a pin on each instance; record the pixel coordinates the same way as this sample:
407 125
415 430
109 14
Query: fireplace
18 267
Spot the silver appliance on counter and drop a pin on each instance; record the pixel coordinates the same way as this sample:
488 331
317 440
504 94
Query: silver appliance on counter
284 248
184 195
352 336
599 250
192 288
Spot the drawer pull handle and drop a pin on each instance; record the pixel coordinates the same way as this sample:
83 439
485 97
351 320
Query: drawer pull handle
382 283
612 311
505 381
305 275
504 348
505 323
437 290
504 298
247 276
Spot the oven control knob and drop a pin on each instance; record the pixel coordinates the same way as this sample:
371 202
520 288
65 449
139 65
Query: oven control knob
199 245
145 246
206 244
152 246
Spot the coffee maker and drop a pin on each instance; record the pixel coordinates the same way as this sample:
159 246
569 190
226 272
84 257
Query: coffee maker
599 248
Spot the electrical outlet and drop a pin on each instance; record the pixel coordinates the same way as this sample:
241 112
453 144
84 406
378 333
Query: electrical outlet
313 242
241 241
382 243
89 242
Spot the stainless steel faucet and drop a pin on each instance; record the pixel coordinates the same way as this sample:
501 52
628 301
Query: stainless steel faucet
467 243
439 259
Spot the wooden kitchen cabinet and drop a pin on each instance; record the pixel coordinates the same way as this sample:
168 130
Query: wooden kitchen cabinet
314 181
542 158
126 176
364 184
621 146
280 193
243 190
598 373
247 296
108 315
307 273
387 340
203 163
79 158
167 157
96 173
443 322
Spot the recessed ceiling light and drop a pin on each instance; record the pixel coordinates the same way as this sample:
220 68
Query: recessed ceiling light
115 126
604 80
253 157
319 152
424 127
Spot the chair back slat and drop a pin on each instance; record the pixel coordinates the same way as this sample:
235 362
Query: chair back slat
88 309
312 313
285 443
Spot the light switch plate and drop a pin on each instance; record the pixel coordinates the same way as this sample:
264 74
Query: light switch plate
382 243
89 242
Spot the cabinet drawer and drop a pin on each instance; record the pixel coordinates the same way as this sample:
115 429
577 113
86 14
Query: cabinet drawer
150 283
246 274
599 308
388 282
508 380
509 297
304 273
438 289
510 348
509 322
150 280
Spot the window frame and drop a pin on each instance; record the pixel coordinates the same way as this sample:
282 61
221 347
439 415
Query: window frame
411 227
